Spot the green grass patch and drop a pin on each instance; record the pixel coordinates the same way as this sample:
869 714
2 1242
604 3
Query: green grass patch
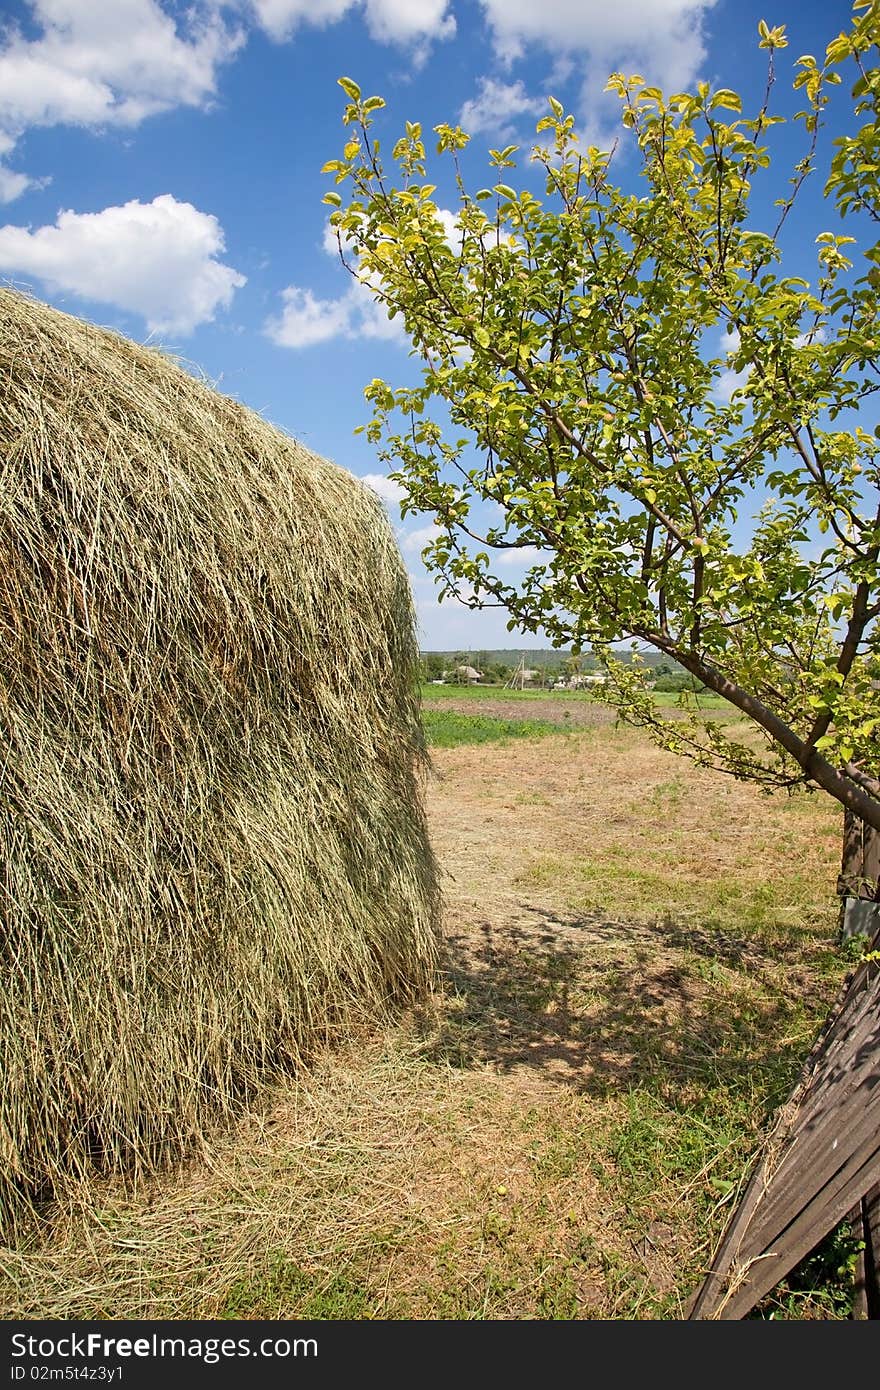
664 699
449 729
283 1290
499 692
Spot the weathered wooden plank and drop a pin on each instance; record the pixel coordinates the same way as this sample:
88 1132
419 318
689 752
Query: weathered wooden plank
757 1273
866 1227
820 1157
817 1144
814 1173
768 1250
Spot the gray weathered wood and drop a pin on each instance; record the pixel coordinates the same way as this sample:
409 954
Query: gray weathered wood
820 1160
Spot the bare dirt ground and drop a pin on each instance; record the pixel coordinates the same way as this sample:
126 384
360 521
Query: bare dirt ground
615 854
577 713
558 1134
581 713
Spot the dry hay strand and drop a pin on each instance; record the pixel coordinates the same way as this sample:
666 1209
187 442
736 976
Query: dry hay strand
214 848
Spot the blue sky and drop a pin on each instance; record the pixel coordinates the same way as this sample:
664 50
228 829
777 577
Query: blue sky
160 171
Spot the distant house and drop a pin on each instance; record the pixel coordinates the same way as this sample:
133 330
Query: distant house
466 673
587 682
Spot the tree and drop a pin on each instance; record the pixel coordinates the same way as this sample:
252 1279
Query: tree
570 349
432 665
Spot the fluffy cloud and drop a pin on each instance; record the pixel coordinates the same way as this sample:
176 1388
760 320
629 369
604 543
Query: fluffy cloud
390 491
306 320
390 21
522 557
409 21
95 63
12 185
662 39
498 107
415 541
665 34
155 259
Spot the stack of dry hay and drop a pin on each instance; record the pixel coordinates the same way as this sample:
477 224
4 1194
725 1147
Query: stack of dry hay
214 853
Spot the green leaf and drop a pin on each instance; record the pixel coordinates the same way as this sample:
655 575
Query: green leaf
728 99
350 88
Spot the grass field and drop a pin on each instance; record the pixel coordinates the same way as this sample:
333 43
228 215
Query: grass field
637 957
663 699
448 728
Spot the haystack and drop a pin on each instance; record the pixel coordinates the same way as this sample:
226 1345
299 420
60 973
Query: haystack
214 850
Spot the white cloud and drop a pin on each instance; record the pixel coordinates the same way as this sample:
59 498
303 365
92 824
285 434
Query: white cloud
729 380
451 627
409 21
406 22
498 107
12 185
727 383
451 229
280 18
306 320
416 540
391 492
665 34
524 555
329 240
96 64
661 39
729 341
156 259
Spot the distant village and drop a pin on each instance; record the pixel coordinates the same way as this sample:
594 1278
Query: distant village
537 670
522 678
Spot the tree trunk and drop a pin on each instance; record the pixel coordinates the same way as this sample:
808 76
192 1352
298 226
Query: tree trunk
858 882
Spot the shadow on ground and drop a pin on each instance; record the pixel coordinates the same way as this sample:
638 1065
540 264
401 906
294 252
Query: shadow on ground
603 1006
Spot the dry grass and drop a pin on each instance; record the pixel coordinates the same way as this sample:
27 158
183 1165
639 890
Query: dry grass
562 1133
381 1186
212 836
